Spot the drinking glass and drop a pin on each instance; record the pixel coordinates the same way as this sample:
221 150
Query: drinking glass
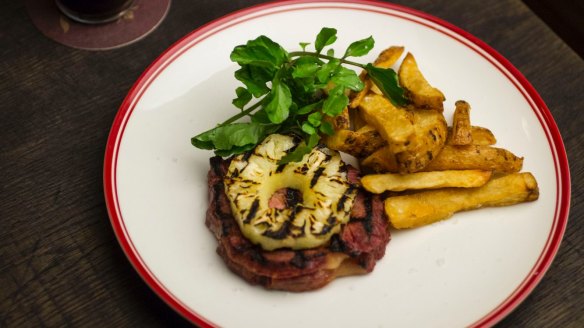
94 11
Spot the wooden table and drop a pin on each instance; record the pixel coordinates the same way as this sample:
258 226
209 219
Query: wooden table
60 263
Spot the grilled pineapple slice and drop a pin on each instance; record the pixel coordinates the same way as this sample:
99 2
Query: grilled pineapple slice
321 178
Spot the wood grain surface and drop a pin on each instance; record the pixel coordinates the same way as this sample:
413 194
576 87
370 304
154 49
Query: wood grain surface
60 263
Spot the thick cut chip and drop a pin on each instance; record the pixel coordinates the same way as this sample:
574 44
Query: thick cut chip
394 124
480 136
386 59
461 128
476 157
372 135
377 159
357 120
379 183
370 139
382 160
430 131
357 97
360 143
341 121
418 90
472 157
414 137
426 207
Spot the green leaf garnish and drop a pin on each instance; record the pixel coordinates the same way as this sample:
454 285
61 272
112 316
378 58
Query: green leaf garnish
325 37
325 72
255 79
360 48
304 148
235 137
280 99
327 128
308 128
347 78
387 81
243 97
315 119
261 51
295 93
335 102
306 67
310 108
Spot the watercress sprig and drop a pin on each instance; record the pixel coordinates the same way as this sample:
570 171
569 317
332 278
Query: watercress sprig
296 92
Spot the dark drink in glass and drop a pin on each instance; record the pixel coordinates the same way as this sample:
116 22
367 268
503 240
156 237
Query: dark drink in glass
94 11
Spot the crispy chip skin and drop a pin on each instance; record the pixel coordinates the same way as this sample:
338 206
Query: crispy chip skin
461 128
423 208
379 183
418 90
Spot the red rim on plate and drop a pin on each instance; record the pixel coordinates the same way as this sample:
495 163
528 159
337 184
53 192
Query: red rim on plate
497 60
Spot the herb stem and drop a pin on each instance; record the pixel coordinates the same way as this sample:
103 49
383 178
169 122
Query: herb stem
319 55
241 114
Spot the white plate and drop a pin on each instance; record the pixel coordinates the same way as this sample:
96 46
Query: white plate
470 270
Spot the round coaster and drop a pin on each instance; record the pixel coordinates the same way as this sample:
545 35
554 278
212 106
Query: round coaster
142 18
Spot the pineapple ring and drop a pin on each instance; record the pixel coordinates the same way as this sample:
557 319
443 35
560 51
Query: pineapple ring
321 177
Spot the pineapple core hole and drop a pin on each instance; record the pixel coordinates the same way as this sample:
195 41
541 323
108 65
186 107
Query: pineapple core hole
285 197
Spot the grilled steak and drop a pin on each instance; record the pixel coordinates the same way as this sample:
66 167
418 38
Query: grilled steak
354 251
